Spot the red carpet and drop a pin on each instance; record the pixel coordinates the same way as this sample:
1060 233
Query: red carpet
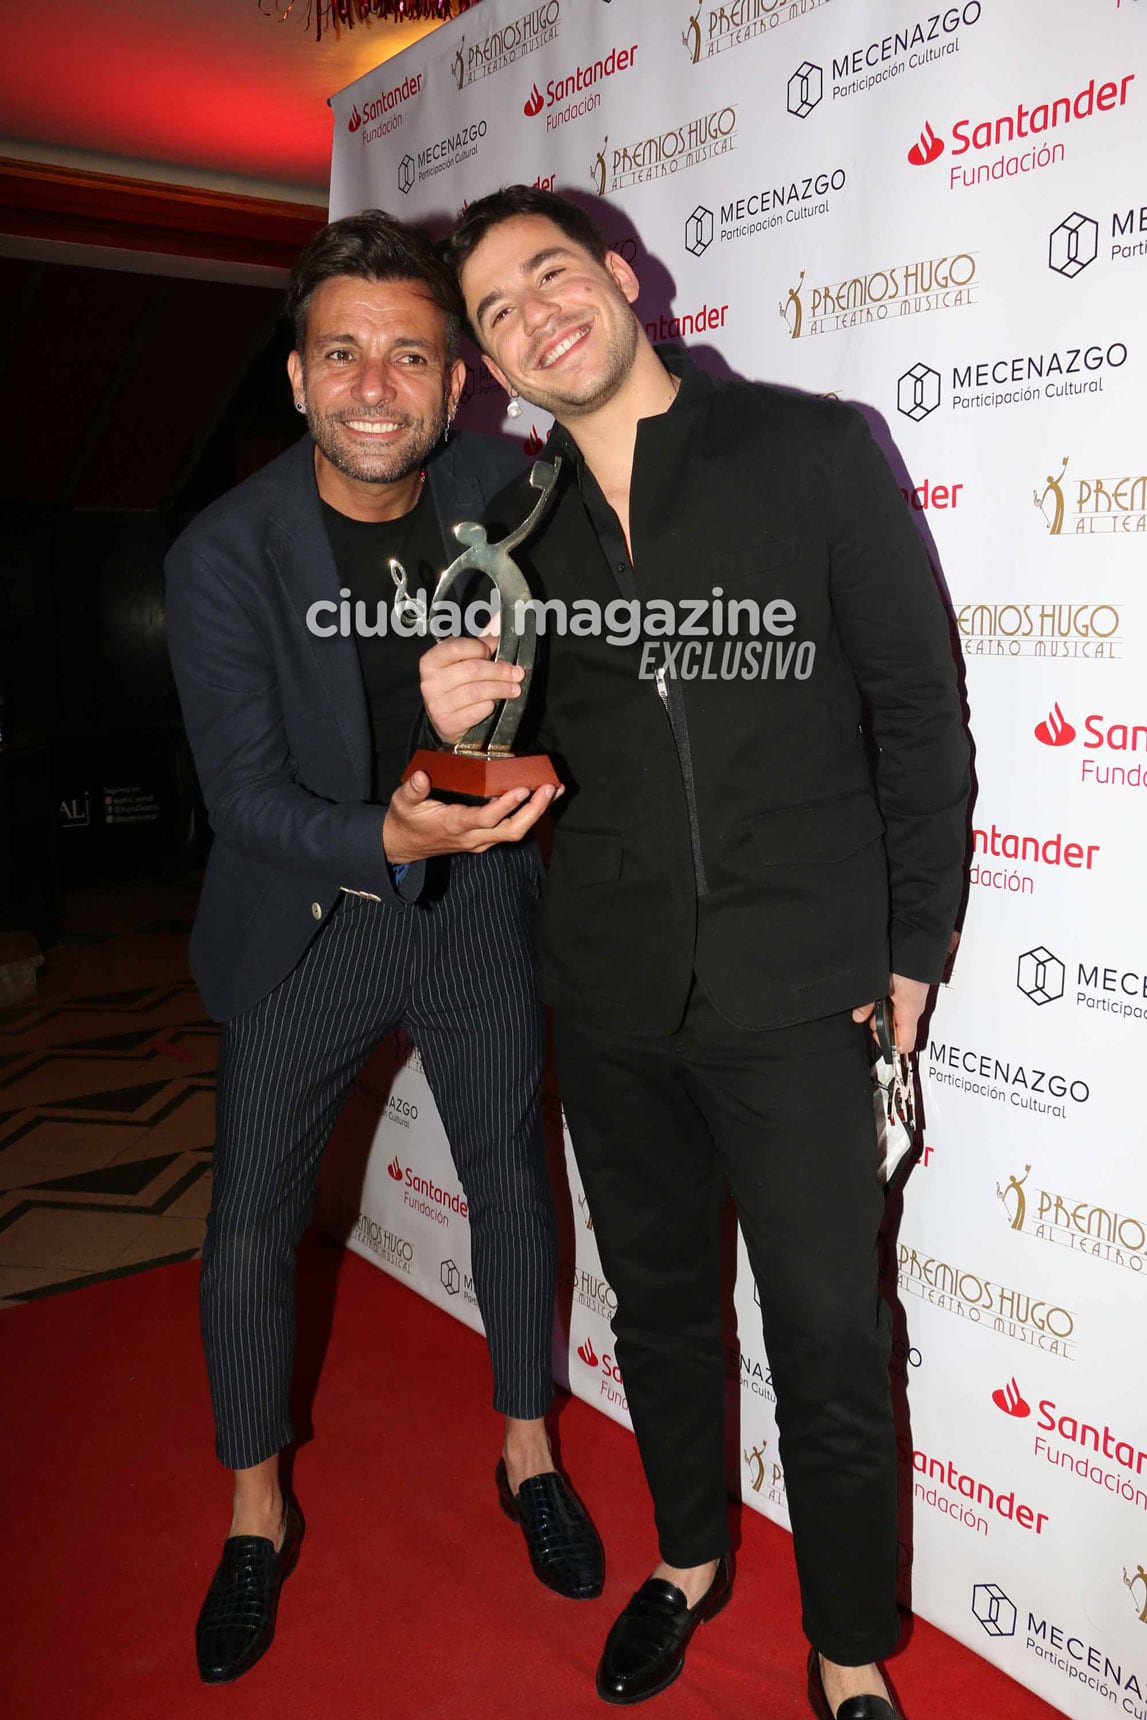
413 1599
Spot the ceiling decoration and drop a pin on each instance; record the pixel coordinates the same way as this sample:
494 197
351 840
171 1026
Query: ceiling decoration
339 15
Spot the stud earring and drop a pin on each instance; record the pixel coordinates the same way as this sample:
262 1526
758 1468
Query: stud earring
300 406
514 409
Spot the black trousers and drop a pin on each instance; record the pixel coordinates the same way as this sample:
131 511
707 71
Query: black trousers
458 974
659 1126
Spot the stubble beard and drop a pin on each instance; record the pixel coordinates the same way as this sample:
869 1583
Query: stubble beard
388 465
620 354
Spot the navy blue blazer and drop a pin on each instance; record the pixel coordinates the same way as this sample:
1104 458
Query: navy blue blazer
277 717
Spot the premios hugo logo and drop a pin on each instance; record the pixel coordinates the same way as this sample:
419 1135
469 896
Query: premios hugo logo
1093 505
504 45
1067 1218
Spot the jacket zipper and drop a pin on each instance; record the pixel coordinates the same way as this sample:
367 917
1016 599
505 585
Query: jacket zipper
674 703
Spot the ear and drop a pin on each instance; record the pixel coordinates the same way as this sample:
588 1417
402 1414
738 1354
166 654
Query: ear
295 372
624 278
498 375
455 386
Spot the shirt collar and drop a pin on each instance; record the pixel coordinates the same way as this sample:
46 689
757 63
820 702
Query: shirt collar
695 387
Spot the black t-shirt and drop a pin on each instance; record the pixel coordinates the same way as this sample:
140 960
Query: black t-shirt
389 662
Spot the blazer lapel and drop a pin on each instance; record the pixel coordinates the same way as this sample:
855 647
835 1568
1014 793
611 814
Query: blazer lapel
301 552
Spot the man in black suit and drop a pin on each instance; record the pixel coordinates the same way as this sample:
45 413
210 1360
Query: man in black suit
338 905
763 833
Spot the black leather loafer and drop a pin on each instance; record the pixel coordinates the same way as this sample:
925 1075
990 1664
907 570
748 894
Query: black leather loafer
237 1619
856 1708
645 1650
563 1544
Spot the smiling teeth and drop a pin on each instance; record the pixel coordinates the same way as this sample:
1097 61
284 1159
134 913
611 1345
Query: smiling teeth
562 347
371 426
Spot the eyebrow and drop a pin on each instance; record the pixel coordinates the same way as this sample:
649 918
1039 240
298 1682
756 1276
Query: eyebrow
352 340
525 268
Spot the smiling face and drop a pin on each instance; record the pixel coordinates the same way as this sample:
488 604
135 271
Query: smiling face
555 325
374 377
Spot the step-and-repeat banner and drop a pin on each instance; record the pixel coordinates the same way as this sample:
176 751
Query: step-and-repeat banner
940 214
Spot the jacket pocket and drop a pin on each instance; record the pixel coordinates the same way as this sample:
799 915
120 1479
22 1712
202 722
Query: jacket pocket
588 857
819 830
740 566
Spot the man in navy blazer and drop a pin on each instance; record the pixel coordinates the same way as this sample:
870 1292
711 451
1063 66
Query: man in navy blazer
338 906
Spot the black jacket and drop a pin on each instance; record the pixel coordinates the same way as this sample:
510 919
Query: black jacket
757 846
277 717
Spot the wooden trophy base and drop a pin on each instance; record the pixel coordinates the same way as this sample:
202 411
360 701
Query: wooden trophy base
478 777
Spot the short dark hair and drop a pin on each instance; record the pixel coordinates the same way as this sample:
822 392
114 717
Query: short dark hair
504 205
372 246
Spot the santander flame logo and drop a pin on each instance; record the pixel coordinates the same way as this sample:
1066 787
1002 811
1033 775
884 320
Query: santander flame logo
1056 731
394 1169
1011 1400
535 103
926 148
355 119
588 1354
533 443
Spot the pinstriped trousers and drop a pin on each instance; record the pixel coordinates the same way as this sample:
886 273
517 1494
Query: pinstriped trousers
457 972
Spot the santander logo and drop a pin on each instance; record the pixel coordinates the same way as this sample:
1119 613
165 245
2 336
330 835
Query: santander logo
588 1354
1055 730
927 148
1011 1400
394 1169
535 104
355 119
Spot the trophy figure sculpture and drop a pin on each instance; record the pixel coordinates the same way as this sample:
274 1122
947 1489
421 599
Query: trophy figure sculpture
481 763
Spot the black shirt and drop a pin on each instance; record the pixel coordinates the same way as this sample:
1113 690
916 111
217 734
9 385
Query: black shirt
389 662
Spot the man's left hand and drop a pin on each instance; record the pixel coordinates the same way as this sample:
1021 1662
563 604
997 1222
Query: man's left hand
909 999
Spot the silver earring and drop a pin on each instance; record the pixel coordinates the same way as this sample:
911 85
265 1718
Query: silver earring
514 409
449 422
300 406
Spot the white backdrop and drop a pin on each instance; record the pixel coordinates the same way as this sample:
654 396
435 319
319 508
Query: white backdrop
942 216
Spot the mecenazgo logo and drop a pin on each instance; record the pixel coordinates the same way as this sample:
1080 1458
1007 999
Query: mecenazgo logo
986 1075
770 206
439 157
1019 123
1056 375
930 38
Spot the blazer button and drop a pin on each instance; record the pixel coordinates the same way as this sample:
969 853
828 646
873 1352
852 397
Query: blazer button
316 910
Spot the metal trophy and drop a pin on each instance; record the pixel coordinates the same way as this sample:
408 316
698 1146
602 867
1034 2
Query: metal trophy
481 763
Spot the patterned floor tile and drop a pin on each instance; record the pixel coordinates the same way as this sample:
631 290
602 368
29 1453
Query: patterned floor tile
106 1099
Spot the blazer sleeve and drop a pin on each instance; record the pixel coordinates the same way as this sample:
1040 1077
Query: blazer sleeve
895 634
232 712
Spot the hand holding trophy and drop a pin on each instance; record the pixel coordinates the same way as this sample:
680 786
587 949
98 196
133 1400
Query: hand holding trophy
482 763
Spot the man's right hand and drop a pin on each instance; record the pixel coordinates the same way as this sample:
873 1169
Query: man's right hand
461 683
417 827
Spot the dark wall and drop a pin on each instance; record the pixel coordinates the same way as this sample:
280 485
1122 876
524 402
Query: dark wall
95 778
